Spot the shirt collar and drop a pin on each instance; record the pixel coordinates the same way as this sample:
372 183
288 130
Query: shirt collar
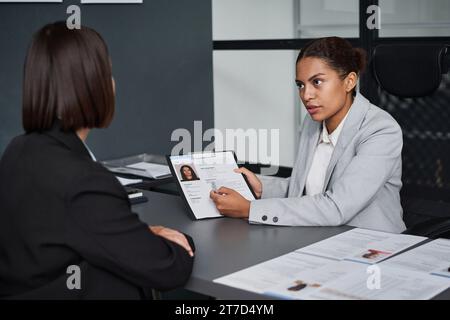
333 137
69 139
89 150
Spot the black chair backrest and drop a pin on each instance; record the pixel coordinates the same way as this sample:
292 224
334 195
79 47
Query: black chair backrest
413 85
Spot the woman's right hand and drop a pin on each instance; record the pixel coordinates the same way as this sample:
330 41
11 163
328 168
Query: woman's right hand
255 183
174 236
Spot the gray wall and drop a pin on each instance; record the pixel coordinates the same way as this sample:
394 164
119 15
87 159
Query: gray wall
162 63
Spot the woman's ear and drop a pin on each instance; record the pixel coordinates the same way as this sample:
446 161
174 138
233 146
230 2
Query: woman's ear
350 81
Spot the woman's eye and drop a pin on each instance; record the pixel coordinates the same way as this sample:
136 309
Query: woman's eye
300 85
317 82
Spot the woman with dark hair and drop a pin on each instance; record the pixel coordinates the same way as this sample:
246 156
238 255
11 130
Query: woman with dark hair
187 173
60 210
348 167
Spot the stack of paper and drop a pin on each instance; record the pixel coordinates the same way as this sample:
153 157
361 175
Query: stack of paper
347 266
144 169
127 182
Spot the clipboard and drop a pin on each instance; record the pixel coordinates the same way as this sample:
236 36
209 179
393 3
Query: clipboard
175 162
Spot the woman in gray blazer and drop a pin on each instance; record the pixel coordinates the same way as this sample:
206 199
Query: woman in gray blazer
348 167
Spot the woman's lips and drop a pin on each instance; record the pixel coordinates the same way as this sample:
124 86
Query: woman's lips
313 109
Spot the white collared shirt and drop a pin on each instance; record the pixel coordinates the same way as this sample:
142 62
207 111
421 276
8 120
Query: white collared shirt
327 142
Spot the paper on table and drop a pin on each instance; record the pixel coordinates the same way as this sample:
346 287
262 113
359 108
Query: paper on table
346 280
362 245
394 284
301 285
262 276
432 257
154 170
126 182
332 269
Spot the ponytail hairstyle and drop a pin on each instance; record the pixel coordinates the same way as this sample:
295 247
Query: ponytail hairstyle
338 53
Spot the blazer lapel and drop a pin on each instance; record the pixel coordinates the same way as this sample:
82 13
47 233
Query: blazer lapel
351 126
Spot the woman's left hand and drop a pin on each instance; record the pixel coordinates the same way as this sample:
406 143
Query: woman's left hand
230 203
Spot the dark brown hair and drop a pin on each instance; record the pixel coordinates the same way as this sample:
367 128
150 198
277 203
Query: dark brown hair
338 53
183 176
67 76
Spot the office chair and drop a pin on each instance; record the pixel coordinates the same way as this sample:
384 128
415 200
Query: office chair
412 83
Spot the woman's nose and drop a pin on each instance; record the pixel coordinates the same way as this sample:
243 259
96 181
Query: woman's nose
308 93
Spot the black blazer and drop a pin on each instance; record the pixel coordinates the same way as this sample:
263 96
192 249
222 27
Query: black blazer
59 208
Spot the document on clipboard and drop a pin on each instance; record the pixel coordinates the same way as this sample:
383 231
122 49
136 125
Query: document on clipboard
199 173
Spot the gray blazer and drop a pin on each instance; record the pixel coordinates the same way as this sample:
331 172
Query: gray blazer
362 182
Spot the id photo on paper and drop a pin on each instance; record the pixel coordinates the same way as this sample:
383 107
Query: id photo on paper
187 172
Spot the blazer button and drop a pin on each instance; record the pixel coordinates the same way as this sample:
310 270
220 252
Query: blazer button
264 218
275 219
